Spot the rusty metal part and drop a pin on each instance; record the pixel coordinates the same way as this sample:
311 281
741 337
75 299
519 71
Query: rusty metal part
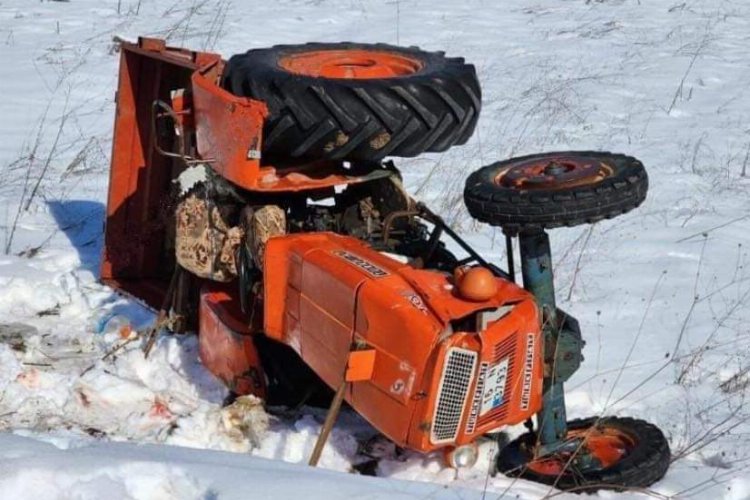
554 173
391 217
440 225
166 110
388 195
183 314
163 317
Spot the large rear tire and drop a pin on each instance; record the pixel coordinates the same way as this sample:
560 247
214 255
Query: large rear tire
348 101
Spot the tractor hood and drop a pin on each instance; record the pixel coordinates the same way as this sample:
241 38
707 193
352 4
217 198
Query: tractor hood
332 270
326 295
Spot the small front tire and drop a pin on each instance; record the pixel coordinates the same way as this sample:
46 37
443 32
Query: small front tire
615 453
549 190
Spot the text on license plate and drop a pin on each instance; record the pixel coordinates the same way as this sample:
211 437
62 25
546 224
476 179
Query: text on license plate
494 386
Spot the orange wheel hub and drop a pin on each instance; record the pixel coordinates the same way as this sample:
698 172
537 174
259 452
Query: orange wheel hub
554 173
355 64
606 445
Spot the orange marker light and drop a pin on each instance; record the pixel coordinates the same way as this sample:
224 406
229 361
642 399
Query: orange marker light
476 284
360 365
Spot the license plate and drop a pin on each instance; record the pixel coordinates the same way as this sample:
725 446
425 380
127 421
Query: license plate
494 386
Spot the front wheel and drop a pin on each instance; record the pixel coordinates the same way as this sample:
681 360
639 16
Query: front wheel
549 190
600 453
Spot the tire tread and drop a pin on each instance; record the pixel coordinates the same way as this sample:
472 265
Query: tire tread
430 110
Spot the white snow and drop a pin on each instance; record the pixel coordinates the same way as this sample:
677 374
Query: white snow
34 469
661 293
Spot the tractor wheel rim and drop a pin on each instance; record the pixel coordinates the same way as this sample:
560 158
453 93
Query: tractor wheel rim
600 448
350 64
554 173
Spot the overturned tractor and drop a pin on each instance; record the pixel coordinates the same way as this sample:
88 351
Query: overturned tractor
250 201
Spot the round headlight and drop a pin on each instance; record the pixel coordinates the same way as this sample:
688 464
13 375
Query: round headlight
462 457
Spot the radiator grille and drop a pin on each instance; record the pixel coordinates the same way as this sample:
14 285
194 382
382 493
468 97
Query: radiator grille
458 372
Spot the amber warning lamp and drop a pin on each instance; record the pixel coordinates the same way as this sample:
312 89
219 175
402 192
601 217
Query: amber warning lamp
476 284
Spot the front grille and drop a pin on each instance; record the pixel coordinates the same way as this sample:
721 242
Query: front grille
458 372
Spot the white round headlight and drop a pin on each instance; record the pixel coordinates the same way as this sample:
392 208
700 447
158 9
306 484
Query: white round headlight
463 457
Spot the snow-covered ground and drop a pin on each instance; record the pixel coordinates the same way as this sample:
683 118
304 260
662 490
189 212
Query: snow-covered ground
662 293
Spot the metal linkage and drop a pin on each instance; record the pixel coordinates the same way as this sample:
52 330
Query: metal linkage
536 269
441 226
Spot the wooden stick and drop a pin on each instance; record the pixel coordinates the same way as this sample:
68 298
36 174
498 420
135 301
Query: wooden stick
333 413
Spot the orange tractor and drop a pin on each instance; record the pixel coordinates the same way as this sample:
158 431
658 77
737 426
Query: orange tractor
250 201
